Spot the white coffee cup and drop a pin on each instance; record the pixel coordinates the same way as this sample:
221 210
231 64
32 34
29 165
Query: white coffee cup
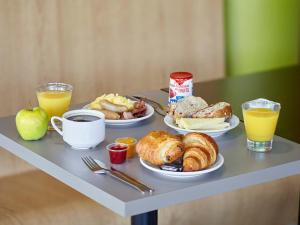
82 129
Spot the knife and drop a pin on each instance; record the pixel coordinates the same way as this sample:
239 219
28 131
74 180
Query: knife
133 180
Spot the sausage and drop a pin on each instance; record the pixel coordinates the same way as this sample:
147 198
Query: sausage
109 114
113 107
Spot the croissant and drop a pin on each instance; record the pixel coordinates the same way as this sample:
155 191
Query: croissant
201 151
159 147
195 159
202 140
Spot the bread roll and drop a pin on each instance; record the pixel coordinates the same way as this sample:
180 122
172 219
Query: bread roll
186 107
159 147
219 110
195 143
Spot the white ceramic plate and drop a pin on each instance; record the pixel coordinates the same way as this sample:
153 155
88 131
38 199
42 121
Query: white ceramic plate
156 169
234 122
149 113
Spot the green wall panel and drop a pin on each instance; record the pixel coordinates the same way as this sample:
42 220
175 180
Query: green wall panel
261 35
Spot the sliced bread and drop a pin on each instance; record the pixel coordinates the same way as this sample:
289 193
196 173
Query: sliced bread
221 109
187 107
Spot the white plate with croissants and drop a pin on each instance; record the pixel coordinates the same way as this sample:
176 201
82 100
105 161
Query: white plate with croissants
179 156
121 111
193 114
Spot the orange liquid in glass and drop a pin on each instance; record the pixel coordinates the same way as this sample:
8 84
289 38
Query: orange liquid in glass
55 103
260 123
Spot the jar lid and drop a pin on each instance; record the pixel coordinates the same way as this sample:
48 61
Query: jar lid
181 75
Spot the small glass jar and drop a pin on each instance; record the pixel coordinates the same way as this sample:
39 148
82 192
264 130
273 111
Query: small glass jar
117 152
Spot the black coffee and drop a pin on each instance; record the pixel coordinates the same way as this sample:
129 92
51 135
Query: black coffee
83 118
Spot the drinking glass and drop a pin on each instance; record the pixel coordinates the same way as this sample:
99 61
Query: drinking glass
260 119
54 98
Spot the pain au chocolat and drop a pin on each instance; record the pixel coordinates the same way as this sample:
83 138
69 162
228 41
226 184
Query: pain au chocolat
160 147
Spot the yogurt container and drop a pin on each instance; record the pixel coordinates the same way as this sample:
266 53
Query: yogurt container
181 85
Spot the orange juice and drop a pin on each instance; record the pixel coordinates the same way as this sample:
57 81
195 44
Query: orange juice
260 123
131 142
55 103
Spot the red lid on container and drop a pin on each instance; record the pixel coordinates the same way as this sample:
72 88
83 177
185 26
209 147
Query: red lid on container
181 75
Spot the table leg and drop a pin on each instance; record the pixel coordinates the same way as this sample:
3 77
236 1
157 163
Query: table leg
299 211
148 218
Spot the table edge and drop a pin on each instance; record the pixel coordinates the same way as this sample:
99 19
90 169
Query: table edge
212 188
64 176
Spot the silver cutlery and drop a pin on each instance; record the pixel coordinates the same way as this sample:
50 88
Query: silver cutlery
101 164
96 168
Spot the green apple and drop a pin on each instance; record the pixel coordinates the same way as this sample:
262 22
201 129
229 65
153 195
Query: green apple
32 124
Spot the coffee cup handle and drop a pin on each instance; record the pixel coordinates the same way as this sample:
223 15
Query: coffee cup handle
53 118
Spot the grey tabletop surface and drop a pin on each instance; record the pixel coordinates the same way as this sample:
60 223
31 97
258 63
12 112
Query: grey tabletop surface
241 168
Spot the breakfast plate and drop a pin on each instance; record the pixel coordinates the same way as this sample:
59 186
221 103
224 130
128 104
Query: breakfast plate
123 122
234 122
156 169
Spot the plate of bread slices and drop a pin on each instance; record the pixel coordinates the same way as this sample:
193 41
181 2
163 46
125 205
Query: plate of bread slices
121 111
179 156
193 114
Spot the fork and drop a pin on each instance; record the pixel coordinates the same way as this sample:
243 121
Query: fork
96 168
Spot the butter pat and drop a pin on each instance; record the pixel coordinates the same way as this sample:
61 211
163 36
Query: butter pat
202 123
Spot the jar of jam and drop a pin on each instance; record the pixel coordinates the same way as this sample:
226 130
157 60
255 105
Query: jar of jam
181 85
117 152
131 142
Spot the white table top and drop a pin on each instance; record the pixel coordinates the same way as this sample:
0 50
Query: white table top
242 168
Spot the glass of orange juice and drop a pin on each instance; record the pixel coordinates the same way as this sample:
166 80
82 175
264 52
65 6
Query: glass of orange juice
260 119
130 142
54 98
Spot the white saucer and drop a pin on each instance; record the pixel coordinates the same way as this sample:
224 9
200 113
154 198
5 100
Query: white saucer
234 122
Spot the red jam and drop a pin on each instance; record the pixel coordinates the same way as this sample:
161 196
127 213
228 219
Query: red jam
118 147
117 153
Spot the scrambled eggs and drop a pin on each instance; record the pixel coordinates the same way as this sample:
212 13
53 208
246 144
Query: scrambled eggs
113 98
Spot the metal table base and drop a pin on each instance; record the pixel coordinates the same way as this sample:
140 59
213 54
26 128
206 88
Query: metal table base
148 218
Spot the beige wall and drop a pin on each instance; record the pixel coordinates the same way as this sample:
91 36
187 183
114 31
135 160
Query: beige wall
105 46
118 46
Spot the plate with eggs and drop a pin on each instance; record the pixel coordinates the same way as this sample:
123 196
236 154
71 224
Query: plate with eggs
119 110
